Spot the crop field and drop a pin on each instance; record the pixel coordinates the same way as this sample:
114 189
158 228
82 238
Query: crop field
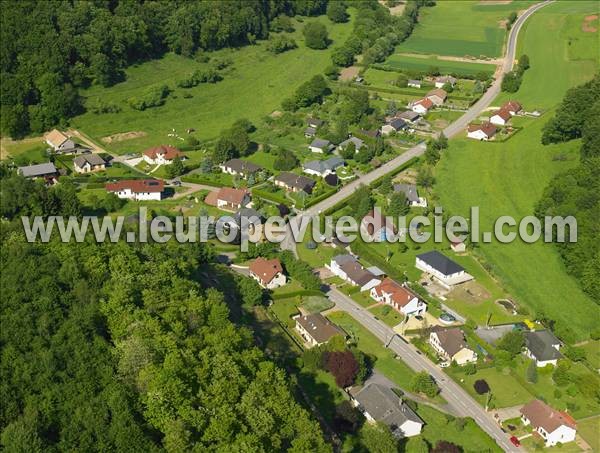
509 178
424 64
461 28
252 87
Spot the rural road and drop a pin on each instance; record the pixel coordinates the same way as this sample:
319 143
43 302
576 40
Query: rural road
459 401
453 129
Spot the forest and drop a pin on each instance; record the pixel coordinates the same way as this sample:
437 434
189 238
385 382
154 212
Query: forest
124 347
576 192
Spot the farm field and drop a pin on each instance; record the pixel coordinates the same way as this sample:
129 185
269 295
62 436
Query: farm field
461 28
424 64
252 87
509 178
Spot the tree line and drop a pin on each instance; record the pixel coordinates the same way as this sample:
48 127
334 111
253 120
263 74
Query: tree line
576 191
50 49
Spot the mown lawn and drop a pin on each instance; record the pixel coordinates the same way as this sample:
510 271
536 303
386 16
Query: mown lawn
388 315
509 178
461 28
592 350
252 87
590 431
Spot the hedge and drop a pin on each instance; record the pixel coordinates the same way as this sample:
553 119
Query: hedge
200 180
300 292
320 198
270 196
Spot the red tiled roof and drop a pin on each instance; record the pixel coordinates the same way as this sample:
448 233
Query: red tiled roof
540 414
265 270
488 128
503 113
438 92
232 196
425 102
169 152
511 106
137 185
399 295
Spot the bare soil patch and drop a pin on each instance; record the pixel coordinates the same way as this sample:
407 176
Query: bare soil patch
588 25
494 2
471 292
394 10
349 73
408 177
123 136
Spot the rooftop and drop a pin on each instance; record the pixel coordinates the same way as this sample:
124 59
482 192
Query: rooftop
319 327
440 262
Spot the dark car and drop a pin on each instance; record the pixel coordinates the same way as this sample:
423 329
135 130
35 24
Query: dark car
515 441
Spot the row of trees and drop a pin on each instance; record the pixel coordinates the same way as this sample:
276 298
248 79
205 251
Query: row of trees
512 80
576 192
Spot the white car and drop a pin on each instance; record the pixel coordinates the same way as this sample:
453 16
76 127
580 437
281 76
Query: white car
444 364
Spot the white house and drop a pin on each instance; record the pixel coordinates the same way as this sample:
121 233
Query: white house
315 329
162 155
87 163
443 80
543 347
443 269
323 168
379 403
240 167
228 198
402 299
358 143
552 425
268 273
59 141
437 96
484 131
349 269
413 83
500 117
451 345
421 106
412 195
137 189
458 247
321 146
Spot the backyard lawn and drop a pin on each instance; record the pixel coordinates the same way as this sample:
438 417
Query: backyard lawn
509 178
252 87
412 63
589 429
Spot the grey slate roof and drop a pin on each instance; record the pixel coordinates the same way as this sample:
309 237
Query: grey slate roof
319 327
384 405
398 123
354 269
252 216
540 343
296 181
358 143
410 190
31 171
92 159
409 115
242 166
314 122
321 166
310 131
320 143
440 262
414 82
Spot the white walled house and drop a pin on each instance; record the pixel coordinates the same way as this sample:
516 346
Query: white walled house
379 403
137 189
451 344
349 269
268 273
87 163
500 117
442 268
421 106
482 132
320 146
315 329
400 298
543 347
162 155
552 425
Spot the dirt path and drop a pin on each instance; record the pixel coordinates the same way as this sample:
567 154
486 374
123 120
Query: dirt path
495 61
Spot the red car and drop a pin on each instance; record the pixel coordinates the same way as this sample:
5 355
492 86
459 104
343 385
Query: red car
515 441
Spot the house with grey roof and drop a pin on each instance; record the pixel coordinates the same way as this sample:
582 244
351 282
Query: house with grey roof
442 269
319 145
310 132
358 143
394 125
240 167
315 329
543 347
323 167
451 345
38 170
87 163
293 182
414 83
409 116
314 122
412 195
349 269
379 403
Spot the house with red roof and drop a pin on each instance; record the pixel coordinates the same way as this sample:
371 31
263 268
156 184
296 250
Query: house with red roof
399 297
500 117
551 425
137 189
512 107
268 273
421 106
228 199
437 96
162 155
483 131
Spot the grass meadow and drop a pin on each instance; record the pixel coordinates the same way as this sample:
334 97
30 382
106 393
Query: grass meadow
424 64
508 178
461 28
252 87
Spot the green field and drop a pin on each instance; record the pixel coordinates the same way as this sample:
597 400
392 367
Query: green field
418 64
509 178
252 87
590 430
461 28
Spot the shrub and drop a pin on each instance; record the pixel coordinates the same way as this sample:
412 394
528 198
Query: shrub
481 386
423 383
281 44
342 365
153 97
315 35
209 75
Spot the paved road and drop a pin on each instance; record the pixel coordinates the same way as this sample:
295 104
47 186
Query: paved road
416 151
459 401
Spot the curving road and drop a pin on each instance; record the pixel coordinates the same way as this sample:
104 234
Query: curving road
453 129
458 399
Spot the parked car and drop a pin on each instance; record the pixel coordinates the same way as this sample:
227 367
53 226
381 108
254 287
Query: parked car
444 364
515 441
